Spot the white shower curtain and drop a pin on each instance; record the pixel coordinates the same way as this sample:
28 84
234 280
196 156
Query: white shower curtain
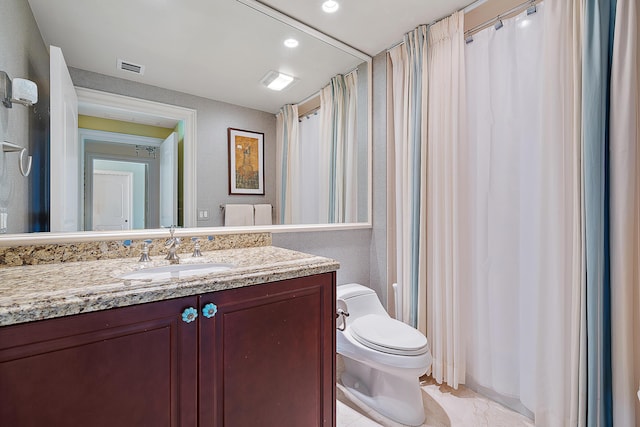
446 194
504 88
526 305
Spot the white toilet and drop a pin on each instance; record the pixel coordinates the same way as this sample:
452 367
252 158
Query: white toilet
383 357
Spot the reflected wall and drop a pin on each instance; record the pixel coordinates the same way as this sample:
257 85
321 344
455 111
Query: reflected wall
213 119
23 54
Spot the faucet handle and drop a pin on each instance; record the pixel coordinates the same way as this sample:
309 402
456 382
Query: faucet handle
172 229
196 247
145 251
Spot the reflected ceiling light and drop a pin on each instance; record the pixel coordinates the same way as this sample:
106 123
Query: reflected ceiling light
330 6
275 80
291 43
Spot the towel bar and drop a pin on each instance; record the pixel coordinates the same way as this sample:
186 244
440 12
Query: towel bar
9 147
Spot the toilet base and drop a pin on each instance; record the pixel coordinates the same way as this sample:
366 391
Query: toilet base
397 398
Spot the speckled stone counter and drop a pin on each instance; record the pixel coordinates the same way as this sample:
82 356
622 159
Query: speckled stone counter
38 292
13 256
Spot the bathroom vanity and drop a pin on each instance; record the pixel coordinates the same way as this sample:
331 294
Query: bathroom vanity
254 345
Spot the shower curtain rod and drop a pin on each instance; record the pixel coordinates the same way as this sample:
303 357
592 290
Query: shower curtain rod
317 94
465 9
313 95
484 25
513 11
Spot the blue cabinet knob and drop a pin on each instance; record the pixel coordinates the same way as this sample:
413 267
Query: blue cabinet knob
189 315
209 310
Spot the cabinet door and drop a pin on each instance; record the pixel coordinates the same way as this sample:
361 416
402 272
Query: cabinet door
132 366
267 358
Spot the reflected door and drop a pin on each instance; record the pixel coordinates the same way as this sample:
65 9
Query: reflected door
65 166
169 181
112 200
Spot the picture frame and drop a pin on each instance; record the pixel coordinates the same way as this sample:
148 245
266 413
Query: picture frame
246 161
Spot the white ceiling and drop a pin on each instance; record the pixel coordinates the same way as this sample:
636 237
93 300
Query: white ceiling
221 49
370 26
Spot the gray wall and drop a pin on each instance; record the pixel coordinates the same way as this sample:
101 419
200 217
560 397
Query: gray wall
214 117
349 247
378 248
23 54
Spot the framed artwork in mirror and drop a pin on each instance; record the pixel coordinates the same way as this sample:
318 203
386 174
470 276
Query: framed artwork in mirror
246 161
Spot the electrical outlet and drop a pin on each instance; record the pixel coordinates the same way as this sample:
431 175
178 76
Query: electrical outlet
203 214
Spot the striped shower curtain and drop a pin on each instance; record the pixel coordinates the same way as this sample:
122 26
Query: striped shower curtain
612 213
287 165
407 134
622 166
425 137
338 150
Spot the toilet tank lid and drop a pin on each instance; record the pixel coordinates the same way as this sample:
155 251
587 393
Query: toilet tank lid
351 290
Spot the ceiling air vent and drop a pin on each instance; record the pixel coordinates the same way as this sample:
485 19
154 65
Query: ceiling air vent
130 67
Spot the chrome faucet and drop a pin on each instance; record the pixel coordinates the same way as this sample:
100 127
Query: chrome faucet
196 247
172 246
144 257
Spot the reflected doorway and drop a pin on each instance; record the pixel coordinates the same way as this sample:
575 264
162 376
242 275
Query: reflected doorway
129 181
114 185
112 200
109 106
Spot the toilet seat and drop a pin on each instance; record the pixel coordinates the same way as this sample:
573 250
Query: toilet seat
388 335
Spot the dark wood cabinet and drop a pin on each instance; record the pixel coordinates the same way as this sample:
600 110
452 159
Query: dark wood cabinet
132 366
265 358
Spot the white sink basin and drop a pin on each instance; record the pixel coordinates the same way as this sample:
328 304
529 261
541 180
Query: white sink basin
179 271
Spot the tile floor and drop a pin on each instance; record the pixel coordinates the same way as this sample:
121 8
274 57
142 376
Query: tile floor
444 407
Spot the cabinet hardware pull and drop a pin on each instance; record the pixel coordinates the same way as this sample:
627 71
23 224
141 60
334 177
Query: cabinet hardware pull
209 310
189 315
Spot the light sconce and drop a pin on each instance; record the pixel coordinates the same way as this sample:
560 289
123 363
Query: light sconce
275 80
20 91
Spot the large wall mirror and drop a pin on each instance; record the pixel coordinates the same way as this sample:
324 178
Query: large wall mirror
148 77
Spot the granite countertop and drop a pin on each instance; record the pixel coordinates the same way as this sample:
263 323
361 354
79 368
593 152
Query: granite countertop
40 292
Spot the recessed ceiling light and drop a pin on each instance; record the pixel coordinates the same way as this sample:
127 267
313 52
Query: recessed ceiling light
277 81
330 6
291 43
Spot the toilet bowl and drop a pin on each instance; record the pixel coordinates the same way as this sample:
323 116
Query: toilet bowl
383 357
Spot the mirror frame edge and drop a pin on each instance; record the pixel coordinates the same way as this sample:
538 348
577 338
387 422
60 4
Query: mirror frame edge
99 236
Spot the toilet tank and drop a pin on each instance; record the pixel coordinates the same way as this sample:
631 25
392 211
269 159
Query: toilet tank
360 300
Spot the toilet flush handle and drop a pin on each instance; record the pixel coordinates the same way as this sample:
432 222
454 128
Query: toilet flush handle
342 323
